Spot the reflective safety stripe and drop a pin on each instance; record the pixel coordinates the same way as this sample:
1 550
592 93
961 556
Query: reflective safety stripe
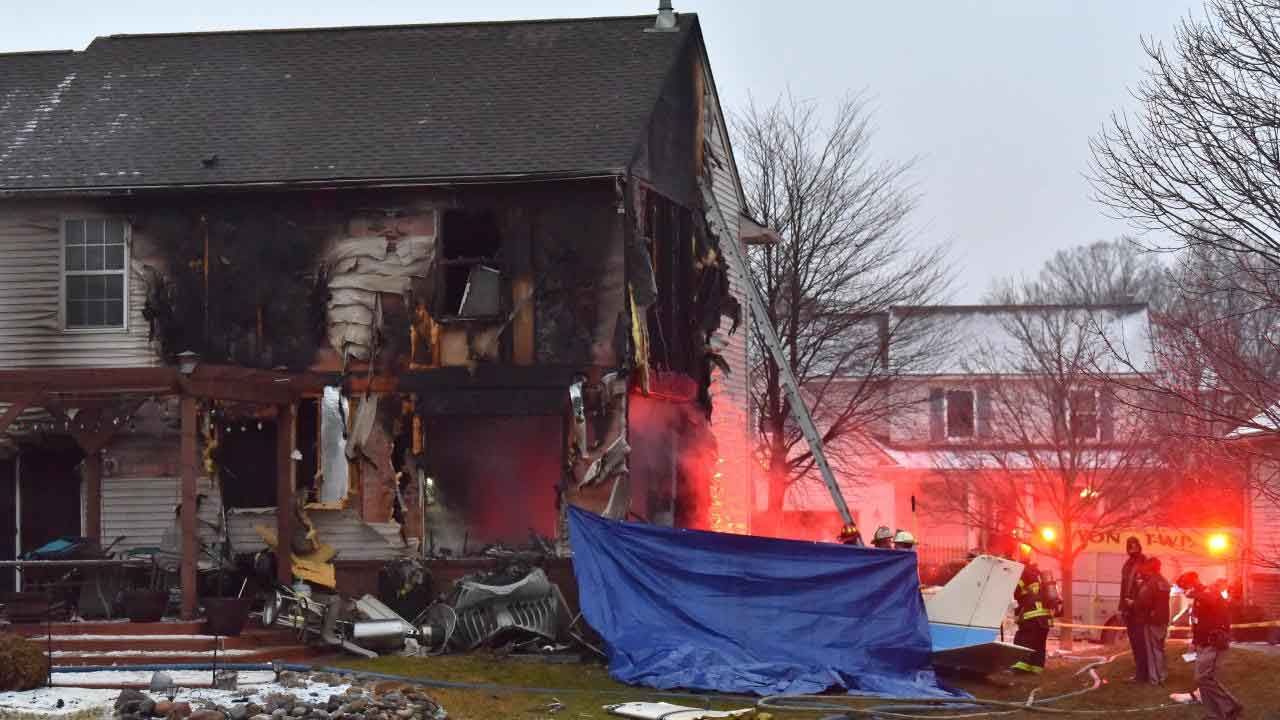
1027 667
1032 614
1035 587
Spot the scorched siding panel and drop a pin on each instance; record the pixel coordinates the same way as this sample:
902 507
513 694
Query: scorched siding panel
731 417
31 333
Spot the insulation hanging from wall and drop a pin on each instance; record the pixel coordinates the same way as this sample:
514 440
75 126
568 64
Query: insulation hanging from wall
380 255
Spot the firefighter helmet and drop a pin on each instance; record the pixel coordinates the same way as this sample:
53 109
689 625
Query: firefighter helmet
849 535
904 540
883 538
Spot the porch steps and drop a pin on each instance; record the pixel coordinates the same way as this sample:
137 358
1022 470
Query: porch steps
114 643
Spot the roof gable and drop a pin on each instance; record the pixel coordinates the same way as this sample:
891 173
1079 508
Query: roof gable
429 102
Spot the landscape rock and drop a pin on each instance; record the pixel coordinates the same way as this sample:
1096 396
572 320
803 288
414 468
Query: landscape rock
208 715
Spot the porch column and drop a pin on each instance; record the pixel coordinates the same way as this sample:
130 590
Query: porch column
190 537
285 419
93 496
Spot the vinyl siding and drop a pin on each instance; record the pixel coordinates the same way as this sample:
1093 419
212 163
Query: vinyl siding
142 509
730 398
31 332
353 538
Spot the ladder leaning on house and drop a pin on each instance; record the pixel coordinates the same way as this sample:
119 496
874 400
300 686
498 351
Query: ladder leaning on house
800 411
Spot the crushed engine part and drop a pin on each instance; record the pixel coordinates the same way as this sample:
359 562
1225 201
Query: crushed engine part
531 605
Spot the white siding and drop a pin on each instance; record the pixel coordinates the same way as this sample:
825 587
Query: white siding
1264 520
30 299
142 509
730 397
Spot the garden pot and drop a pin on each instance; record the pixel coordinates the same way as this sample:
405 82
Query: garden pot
145 605
226 616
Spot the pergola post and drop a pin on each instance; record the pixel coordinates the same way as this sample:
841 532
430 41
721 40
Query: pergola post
285 429
93 496
190 537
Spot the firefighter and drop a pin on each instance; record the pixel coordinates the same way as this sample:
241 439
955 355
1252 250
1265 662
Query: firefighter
1210 636
1034 618
904 541
883 538
849 535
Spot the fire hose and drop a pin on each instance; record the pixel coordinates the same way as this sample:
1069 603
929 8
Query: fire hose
908 708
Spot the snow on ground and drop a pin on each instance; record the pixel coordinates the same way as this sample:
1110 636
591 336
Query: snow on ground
143 677
80 703
84 654
43 703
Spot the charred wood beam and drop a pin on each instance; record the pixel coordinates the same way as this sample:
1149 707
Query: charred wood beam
285 483
507 376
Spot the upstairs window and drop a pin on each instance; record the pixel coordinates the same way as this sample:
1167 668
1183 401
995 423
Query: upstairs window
960 414
1083 413
470 265
95 255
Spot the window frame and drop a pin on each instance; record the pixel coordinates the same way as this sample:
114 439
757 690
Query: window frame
1097 415
64 273
946 414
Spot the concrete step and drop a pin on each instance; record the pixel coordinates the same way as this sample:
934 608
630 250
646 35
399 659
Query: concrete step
285 653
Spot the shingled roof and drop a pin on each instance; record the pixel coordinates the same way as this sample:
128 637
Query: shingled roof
548 98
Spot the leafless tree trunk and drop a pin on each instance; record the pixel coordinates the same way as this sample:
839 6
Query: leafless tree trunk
1200 164
845 258
1056 450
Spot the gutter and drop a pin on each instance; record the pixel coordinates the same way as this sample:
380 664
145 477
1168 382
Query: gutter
325 184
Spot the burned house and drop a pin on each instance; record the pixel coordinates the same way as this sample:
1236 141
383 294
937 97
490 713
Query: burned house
421 286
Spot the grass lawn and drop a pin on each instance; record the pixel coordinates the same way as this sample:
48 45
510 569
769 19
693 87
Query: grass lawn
1253 675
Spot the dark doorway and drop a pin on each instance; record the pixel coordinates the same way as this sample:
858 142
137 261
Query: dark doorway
8 520
50 494
247 463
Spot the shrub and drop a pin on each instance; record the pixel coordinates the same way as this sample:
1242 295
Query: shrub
23 664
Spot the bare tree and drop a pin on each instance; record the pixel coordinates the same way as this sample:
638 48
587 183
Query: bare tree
846 256
1200 165
1057 449
1105 272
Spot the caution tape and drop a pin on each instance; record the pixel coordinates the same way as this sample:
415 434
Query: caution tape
1176 628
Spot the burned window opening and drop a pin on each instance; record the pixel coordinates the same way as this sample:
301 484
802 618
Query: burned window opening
668 232
470 265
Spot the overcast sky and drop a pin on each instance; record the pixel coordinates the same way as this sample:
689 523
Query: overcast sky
998 99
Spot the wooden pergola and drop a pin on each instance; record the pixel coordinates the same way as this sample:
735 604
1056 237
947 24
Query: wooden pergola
99 393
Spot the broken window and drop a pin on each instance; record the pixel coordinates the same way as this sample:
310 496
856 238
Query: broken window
471 279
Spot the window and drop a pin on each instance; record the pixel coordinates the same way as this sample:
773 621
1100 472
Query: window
960 414
470 249
95 255
1083 413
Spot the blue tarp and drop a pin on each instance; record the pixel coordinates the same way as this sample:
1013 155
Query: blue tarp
740 614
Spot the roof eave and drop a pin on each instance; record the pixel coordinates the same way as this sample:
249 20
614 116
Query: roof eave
317 184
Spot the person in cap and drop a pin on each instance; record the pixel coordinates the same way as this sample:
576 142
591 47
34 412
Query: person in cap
1129 581
1210 637
883 538
1033 616
904 540
1152 608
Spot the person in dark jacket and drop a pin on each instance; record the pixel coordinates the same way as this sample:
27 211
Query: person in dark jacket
1129 580
1152 607
1210 636
1034 619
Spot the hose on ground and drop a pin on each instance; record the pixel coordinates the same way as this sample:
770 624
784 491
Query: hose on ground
909 708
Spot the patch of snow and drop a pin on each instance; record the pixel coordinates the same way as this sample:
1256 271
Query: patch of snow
43 702
143 677
151 653
122 638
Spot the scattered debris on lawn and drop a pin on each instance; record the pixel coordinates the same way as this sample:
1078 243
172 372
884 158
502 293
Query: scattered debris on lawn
291 695
667 711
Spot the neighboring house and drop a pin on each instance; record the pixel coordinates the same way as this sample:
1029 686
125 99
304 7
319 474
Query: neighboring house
1260 440
416 280
979 408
